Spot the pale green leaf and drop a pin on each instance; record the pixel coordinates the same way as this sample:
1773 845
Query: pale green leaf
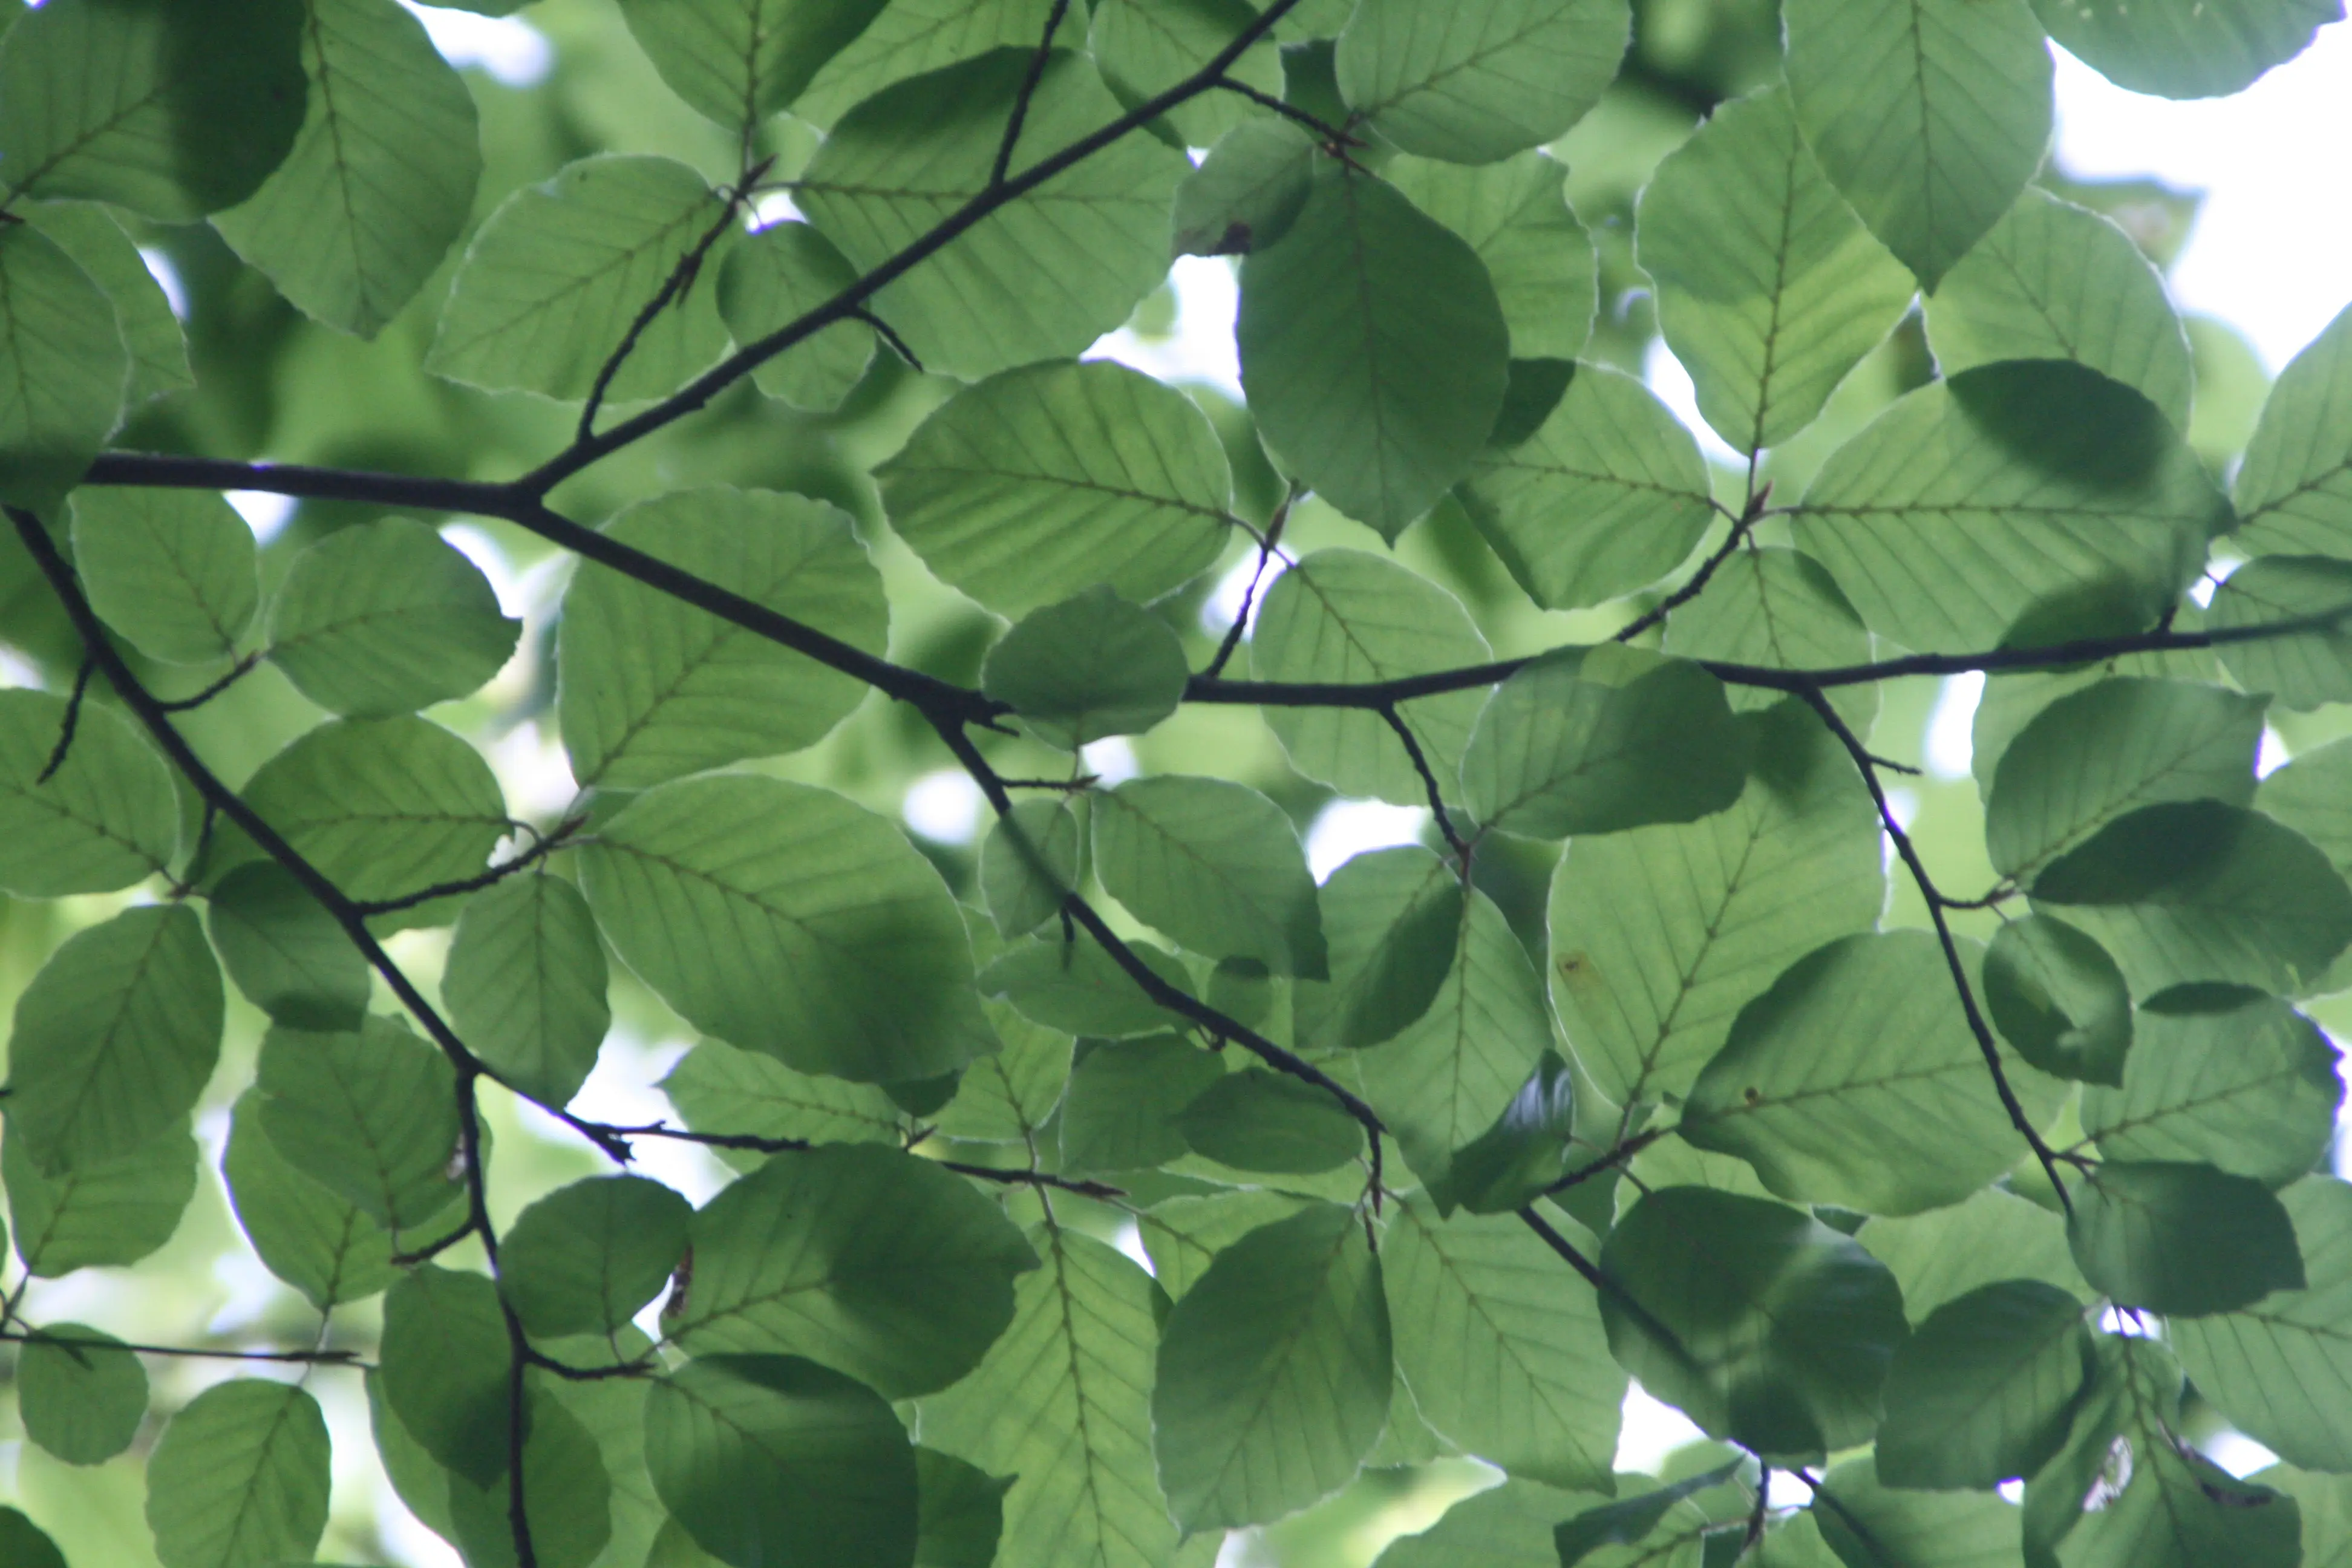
1992 1235
1044 276
2324 1502
585 1257
171 571
2303 670
1930 115
371 1116
1214 865
239 1479
1029 865
1247 191
721 1089
738 61
381 179
1609 494
1870 1524
1124 1107
2293 491
912 37
1516 1160
1479 80
2182 1239
722 893
2188 50
1145 46
79 1393
1515 216
1374 350
89 233
62 363
105 819
1770 289
1006 1098
1089 666
288 957
772 278
2053 280
323 1245
385 618
1183 1236
104 1215
558 274
1982 1391
525 981
2233 1078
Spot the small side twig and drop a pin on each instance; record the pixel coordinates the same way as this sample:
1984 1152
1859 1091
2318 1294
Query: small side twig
236 672
1419 761
1003 168
1699 579
70 722
1624 1151
888 333
547 844
1235 632
1333 137
433 1249
195 1353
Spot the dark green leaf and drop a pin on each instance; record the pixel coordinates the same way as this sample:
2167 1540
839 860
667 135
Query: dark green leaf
2057 997
240 1478
24 1543
62 354
323 1245
1871 1525
1993 1236
288 957
1247 191
1274 1372
1983 1391
962 1512
874 1261
567 1497
1373 350
171 571
738 61
1087 668
2231 1079
1262 1121
1029 864
2185 51
715 890
79 1393
445 1363
1768 1327
1509 1164
585 1257
1124 1109
1077 987
770 1458
1214 865
1183 1236
719 1089
371 1116
105 819
2304 670
387 617
1631 1521
1514 215
1391 917
106 1215
2181 1239
1482 79
525 984
771 279
114 1038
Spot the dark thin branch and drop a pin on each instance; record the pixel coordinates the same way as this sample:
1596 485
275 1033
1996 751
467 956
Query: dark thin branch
236 672
1699 579
1909 854
1606 1284
645 1367
67 724
1078 786
1419 761
1330 135
1013 122
889 334
547 845
1235 632
760 1144
519 1365
196 1353
433 1249
1892 766
1617 1157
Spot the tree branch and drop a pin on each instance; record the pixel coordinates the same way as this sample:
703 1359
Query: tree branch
67 724
1419 761
31 1336
548 845
1012 121
1235 632
1699 579
762 1144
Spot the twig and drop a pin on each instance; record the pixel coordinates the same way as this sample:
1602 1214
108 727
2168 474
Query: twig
31 1336
547 844
1698 580
1333 137
1233 634
1012 121
642 1367
1419 761
236 672
1909 854
433 1249
888 334
519 1365
757 1143
1617 1157
67 724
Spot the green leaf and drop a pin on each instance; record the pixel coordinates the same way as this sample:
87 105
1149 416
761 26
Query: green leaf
107 818
1979 498
2186 51
718 890
1044 276
2304 671
567 1497
770 1458
1498 1362
63 357
387 617
170 110
1516 216
1145 46
525 983
383 807
322 1244
962 1512
2231 1079
1513 1162
2320 1499
1609 494
1983 1391
1087 668
2293 491
89 233
1274 1372
106 1215
288 955
1930 116
557 276
1055 477
1770 289
1029 864
718 1088
445 1361
239 1478
1631 1521
771 278
2278 1367
1764 1326
874 1261
1124 1107
1481 79
1507 1526
2095 754
1991 1236
171 571
1599 740
1448 1076
114 1038
2057 997
740 61
381 179
1079 988
2167 1506
1183 1236
2053 280
1731 901
1007 1097
371 1116
585 1257
1374 350
80 1394
911 37
1061 1404
1247 191
1214 865
1869 1524
2196 890
653 688
1391 917
1262 1121
23 1543
1345 616
2182 1239
1856 1080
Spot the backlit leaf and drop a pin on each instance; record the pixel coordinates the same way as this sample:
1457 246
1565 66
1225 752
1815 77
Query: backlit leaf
288 957
387 617
1087 668
738 61
105 819
1482 80
2293 491
1214 865
369 1115
79 1393
525 984
63 357
239 1478
2183 1240
173 571
772 278
105 1214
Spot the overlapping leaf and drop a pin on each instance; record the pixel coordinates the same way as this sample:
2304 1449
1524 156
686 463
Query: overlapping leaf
1483 80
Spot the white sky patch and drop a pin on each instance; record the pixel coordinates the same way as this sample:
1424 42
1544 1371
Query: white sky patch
263 513
477 546
1652 1430
508 48
167 278
2272 754
1201 346
943 807
1950 743
1346 828
1112 762
621 1091
2238 1453
1676 389
16 669
2267 253
774 206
